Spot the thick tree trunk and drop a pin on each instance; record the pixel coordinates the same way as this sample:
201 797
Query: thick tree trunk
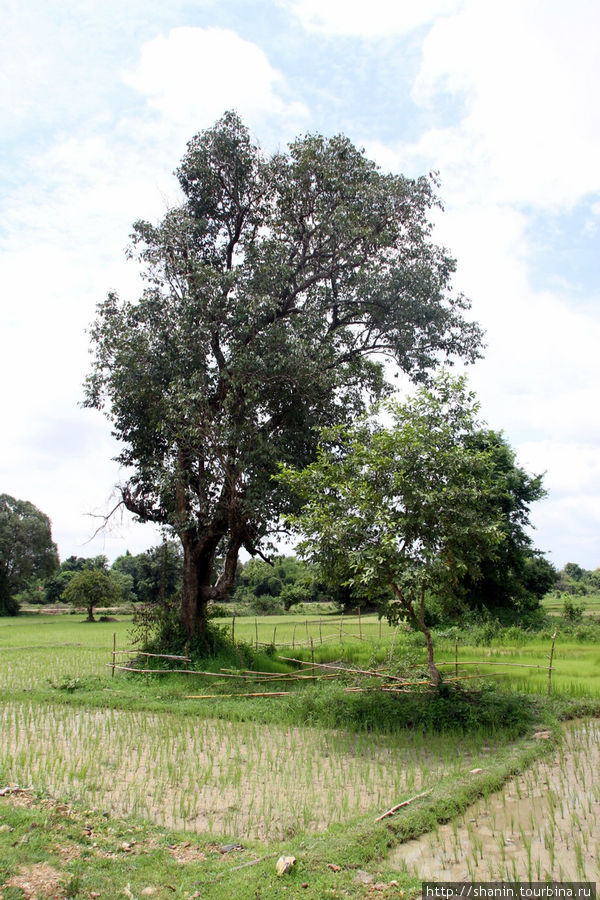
198 567
200 586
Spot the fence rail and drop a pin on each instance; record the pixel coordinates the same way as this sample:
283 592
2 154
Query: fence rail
319 671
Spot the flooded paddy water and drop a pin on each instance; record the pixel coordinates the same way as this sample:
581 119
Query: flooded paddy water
544 824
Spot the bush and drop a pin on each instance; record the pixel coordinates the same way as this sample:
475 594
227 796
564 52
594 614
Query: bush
572 611
266 605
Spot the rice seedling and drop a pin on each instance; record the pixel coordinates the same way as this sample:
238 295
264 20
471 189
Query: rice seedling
537 835
206 775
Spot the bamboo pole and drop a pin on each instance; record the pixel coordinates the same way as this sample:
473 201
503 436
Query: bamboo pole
233 629
320 630
156 655
251 675
294 636
255 694
456 656
550 666
372 672
341 622
274 633
312 652
359 623
391 811
114 653
306 627
487 662
256 631
380 629
175 672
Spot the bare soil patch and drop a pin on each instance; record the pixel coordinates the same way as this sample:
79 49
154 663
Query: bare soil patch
38 882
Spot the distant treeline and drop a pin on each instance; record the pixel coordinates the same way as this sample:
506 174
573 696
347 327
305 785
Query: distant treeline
274 587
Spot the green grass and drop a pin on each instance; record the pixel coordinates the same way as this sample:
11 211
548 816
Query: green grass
553 603
304 774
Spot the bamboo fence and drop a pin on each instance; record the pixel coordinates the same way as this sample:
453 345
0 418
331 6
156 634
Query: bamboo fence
311 671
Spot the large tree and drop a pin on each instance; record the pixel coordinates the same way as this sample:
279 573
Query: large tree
404 510
270 290
27 550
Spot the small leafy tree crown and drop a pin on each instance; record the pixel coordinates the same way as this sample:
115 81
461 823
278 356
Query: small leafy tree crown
403 505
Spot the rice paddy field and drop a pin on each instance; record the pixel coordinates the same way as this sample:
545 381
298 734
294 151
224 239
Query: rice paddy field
206 794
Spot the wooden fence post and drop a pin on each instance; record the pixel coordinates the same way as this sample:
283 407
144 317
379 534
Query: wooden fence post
274 633
379 629
341 622
294 635
256 633
114 653
320 630
312 651
550 666
359 624
306 627
456 656
233 629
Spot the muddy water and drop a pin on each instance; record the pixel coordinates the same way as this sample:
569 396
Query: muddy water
545 824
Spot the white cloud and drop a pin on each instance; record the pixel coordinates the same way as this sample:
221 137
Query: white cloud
66 216
524 71
378 18
517 80
192 75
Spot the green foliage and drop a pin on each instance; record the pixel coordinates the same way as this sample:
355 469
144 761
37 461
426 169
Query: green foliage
514 577
575 580
281 584
91 587
27 551
268 293
572 611
405 509
155 573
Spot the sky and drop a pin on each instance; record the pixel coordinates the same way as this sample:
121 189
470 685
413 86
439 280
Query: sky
98 99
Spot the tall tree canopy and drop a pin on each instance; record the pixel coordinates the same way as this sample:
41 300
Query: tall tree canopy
269 291
27 550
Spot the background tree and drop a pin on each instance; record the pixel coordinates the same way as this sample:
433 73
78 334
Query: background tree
512 580
287 580
27 550
91 587
269 292
155 573
403 510
55 586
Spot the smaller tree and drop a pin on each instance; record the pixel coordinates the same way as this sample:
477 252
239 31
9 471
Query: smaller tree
404 509
90 588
